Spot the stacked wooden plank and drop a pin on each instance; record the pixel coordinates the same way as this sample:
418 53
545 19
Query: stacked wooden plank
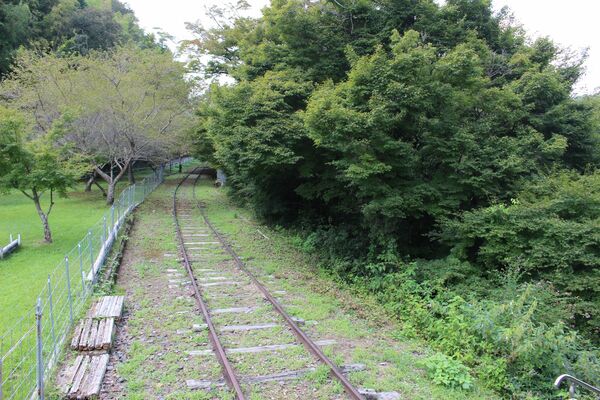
93 337
83 379
107 307
93 334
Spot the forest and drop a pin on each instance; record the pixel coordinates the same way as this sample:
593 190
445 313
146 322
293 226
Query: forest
433 156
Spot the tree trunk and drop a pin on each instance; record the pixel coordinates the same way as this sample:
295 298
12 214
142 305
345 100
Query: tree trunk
90 182
101 188
44 218
112 181
110 194
180 167
130 174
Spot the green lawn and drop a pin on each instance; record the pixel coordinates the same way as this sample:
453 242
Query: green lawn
24 273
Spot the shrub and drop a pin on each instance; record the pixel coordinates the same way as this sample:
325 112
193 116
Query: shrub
446 371
505 341
551 231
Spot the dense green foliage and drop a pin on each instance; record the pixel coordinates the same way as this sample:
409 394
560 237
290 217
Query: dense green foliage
551 232
66 26
427 152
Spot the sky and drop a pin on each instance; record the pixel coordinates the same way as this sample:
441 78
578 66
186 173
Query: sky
572 23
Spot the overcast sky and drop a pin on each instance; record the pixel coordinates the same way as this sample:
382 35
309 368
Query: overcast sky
571 23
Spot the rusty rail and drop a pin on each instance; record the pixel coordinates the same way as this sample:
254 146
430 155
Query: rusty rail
302 337
228 371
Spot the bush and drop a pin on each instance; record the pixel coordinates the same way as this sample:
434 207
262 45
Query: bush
446 371
551 232
508 342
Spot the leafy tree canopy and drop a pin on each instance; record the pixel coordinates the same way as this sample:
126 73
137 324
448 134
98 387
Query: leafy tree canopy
65 25
124 105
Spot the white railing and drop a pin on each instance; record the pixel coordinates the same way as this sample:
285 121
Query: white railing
12 245
573 384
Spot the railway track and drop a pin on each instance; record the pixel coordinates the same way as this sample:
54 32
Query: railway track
198 238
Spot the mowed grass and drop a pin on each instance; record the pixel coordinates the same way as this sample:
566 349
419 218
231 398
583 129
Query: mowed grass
24 273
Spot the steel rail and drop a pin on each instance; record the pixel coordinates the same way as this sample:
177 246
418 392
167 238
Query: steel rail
228 372
334 371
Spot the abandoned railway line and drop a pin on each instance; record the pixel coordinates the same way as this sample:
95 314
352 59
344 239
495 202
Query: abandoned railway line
196 237
214 309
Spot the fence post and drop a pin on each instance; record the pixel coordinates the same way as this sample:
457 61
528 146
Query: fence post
91 252
1 396
103 238
81 267
51 317
40 360
69 290
112 218
119 211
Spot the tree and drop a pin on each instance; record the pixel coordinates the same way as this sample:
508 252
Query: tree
406 129
416 137
124 104
255 136
140 99
66 25
14 29
35 167
87 29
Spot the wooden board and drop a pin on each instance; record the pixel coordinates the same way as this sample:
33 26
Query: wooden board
259 349
93 334
107 307
279 377
83 379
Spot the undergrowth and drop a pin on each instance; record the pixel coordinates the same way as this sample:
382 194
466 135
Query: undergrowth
507 333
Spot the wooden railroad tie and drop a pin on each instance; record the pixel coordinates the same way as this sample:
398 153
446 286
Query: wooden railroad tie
93 334
107 307
93 337
83 379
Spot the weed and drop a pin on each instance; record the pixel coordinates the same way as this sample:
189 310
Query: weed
446 371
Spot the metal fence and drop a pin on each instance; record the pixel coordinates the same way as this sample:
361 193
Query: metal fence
31 346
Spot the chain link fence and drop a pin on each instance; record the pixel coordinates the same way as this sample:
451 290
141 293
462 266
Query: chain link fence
30 348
